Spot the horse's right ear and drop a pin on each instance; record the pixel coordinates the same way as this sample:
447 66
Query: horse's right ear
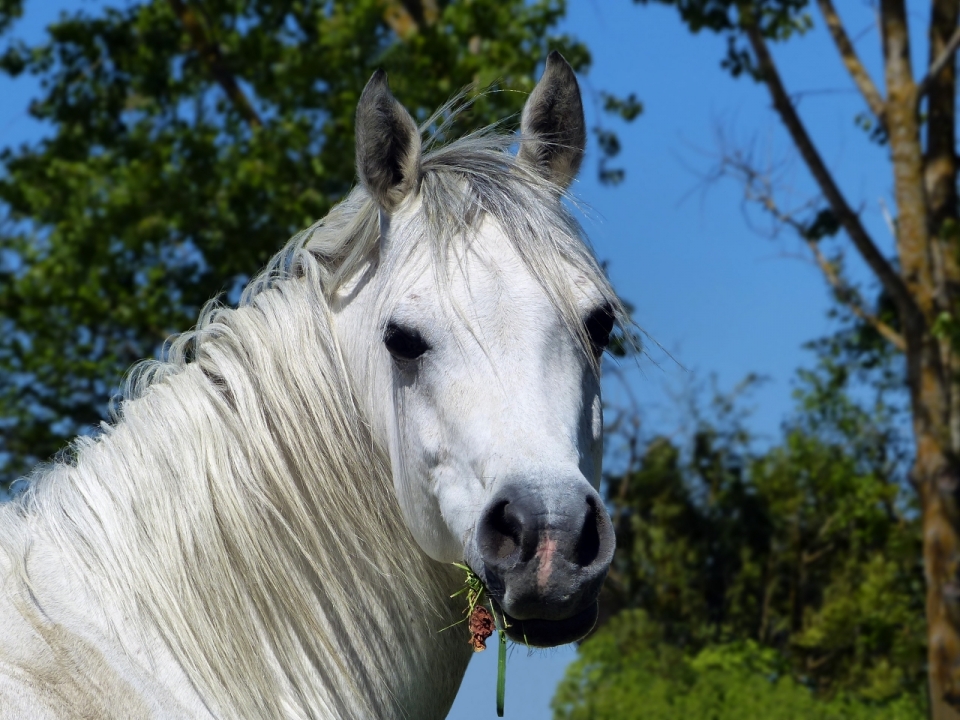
553 132
388 145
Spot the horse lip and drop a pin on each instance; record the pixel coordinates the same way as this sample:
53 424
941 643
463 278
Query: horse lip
550 633
533 631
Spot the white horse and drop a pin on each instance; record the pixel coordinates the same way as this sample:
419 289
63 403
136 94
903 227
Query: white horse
266 530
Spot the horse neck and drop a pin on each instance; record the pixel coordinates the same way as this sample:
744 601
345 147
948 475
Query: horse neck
241 509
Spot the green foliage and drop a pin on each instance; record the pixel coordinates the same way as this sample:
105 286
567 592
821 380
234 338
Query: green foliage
874 129
945 328
824 224
627 109
175 166
626 671
777 583
10 11
776 20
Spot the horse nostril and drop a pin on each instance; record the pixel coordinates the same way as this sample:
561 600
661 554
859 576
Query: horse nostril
505 533
508 531
588 544
500 532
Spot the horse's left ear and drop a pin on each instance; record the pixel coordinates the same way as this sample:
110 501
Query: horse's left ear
388 145
553 132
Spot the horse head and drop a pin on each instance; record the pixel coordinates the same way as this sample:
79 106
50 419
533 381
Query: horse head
473 331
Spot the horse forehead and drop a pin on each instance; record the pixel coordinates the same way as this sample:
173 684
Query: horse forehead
486 274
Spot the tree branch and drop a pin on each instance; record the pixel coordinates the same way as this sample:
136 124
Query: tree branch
844 294
848 219
852 62
758 190
211 55
808 558
939 64
400 19
407 17
940 159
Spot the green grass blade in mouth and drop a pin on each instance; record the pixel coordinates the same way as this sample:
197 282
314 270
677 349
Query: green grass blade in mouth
501 671
476 597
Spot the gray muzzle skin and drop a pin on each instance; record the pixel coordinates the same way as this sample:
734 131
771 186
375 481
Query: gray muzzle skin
543 558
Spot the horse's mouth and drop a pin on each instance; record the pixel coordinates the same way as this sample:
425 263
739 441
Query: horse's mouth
550 633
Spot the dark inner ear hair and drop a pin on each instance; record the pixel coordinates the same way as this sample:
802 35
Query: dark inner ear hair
396 147
387 144
553 125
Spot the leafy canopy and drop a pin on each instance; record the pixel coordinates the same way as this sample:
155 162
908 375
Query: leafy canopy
628 672
782 583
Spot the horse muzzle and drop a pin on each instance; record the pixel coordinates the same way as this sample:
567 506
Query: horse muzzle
543 558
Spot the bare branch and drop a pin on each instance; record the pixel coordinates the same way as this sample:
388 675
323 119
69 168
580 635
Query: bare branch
398 17
424 12
843 292
415 8
940 63
407 17
758 188
888 218
210 53
852 61
888 277
808 558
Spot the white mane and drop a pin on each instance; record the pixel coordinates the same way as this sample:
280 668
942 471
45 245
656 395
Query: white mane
239 504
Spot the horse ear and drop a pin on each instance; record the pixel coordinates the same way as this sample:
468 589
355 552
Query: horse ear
388 144
553 132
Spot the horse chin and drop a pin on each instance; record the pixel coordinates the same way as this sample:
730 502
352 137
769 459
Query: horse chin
550 633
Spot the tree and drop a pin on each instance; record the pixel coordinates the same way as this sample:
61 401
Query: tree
627 672
188 139
914 115
783 583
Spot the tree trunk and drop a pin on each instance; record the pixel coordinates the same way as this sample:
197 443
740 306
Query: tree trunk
937 479
929 269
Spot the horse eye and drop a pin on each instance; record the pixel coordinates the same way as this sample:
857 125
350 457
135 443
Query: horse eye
599 325
403 343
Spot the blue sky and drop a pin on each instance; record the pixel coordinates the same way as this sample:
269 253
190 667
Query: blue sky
714 290
717 295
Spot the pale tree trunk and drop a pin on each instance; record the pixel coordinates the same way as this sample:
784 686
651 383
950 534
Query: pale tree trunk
924 187
929 269
935 393
925 287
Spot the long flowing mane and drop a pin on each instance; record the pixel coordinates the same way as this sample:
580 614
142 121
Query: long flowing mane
239 504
